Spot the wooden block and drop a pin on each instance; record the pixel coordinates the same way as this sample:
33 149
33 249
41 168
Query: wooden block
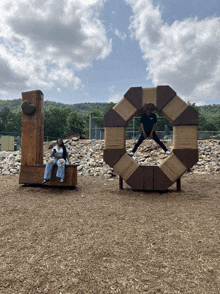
32 133
185 137
189 116
148 174
173 167
125 109
35 175
174 108
161 181
136 179
134 96
149 95
115 138
125 166
189 157
164 95
113 119
111 156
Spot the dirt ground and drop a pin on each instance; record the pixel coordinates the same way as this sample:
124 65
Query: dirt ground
99 239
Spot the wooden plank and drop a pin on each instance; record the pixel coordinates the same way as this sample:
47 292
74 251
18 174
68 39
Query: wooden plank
161 181
149 95
113 119
134 96
32 134
125 109
136 179
164 95
148 175
174 108
35 175
189 157
173 167
125 166
111 156
185 137
189 116
115 138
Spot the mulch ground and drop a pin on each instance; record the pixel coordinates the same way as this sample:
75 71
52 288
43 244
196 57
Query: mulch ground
99 239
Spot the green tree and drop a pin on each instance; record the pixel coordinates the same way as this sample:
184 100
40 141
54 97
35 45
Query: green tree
210 127
5 116
108 107
55 122
75 123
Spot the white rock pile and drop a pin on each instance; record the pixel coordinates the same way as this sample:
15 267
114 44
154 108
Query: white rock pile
88 155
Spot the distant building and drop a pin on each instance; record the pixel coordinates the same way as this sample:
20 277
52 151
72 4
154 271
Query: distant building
7 143
73 135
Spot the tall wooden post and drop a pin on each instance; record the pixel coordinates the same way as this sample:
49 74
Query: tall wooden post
32 135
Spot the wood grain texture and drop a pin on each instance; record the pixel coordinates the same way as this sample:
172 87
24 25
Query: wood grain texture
164 95
35 175
113 119
134 96
161 181
149 95
125 109
111 156
32 133
174 108
125 166
189 116
115 138
189 157
173 167
185 137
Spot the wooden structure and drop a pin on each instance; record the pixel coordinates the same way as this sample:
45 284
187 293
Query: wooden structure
184 119
32 138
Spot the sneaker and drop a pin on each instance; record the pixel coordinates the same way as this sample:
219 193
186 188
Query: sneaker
168 152
131 154
62 180
45 181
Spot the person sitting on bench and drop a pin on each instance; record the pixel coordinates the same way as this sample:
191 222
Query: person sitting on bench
148 125
59 155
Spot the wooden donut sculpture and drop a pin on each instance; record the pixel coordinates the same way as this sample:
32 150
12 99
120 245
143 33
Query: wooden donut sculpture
184 119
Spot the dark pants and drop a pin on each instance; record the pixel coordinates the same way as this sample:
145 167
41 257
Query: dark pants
156 139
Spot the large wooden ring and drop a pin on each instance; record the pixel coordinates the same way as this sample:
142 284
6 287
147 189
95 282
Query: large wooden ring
184 119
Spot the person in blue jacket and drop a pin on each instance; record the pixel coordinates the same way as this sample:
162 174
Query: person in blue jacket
148 125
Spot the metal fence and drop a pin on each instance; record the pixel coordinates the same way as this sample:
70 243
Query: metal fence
96 130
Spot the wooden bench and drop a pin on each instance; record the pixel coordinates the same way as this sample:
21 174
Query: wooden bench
35 175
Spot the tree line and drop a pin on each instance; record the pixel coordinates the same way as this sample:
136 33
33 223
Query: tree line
58 122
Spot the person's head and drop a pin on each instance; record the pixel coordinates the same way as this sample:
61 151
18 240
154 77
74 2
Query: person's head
59 142
148 108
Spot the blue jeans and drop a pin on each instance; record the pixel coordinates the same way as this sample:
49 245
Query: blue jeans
60 162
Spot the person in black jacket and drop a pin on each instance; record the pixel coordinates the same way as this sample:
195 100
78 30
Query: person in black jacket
148 125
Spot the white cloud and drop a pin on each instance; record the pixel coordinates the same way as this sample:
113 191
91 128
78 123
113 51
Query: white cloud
121 35
44 41
184 55
115 98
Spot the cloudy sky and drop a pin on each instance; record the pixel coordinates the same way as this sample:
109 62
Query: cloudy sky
94 50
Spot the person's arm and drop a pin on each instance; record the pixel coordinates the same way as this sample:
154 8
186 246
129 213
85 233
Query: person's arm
153 129
142 128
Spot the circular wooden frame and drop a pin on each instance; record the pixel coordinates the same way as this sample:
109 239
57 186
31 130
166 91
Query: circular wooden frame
184 119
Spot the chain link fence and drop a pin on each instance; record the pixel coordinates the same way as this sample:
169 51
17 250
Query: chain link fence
96 130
